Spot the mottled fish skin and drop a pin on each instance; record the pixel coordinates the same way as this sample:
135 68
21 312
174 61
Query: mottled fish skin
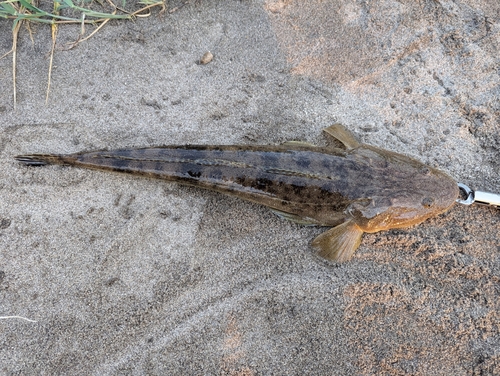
363 187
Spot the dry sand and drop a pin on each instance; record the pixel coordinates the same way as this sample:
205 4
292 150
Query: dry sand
127 275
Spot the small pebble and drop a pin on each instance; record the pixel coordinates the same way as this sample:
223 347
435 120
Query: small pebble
206 58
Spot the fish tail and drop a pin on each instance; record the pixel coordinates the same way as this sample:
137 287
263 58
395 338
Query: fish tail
44 159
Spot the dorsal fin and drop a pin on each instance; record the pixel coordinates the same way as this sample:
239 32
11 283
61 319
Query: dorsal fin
299 143
341 133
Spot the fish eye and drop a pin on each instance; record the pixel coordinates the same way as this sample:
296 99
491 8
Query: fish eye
425 170
427 202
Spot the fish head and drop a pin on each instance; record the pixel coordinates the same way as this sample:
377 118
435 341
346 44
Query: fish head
406 192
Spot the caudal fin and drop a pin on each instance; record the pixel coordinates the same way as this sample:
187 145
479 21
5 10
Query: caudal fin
43 159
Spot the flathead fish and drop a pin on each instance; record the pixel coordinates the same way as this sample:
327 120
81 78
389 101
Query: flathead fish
355 189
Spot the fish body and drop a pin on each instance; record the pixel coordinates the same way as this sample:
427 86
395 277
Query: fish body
356 189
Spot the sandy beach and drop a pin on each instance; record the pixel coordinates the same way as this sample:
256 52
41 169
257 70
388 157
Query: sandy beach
126 275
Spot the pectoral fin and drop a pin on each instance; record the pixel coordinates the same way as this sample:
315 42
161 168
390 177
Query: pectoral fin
340 242
342 134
